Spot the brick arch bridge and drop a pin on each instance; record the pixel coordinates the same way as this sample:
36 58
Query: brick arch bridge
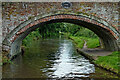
108 33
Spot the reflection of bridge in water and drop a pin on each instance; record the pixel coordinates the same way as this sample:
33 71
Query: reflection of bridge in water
19 19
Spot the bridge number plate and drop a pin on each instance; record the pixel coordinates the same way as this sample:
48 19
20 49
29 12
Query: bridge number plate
66 4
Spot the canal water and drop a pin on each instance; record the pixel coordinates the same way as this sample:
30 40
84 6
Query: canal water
52 58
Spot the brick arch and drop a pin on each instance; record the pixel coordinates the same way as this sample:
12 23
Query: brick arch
106 32
76 17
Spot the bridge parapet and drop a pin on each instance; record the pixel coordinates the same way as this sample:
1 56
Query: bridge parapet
14 13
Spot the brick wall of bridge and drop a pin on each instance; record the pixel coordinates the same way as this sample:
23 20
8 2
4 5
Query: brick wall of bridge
15 13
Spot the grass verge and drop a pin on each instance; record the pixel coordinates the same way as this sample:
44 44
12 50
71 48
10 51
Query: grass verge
110 62
78 41
91 42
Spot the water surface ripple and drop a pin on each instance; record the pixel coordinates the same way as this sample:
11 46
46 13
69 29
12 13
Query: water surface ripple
52 58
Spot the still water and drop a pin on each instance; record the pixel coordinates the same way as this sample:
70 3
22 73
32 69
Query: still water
52 58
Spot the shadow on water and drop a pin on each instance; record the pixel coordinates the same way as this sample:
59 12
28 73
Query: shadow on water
53 58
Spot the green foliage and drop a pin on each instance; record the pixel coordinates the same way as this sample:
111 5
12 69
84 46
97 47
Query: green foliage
78 33
5 60
30 37
55 29
51 30
91 42
86 33
78 40
110 62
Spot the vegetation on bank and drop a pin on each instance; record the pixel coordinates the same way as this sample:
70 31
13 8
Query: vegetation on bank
91 42
111 62
4 60
30 37
79 41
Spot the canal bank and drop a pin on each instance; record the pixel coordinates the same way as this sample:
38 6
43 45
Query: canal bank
94 54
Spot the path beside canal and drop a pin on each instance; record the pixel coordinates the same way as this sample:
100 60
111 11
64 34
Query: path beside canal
95 52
